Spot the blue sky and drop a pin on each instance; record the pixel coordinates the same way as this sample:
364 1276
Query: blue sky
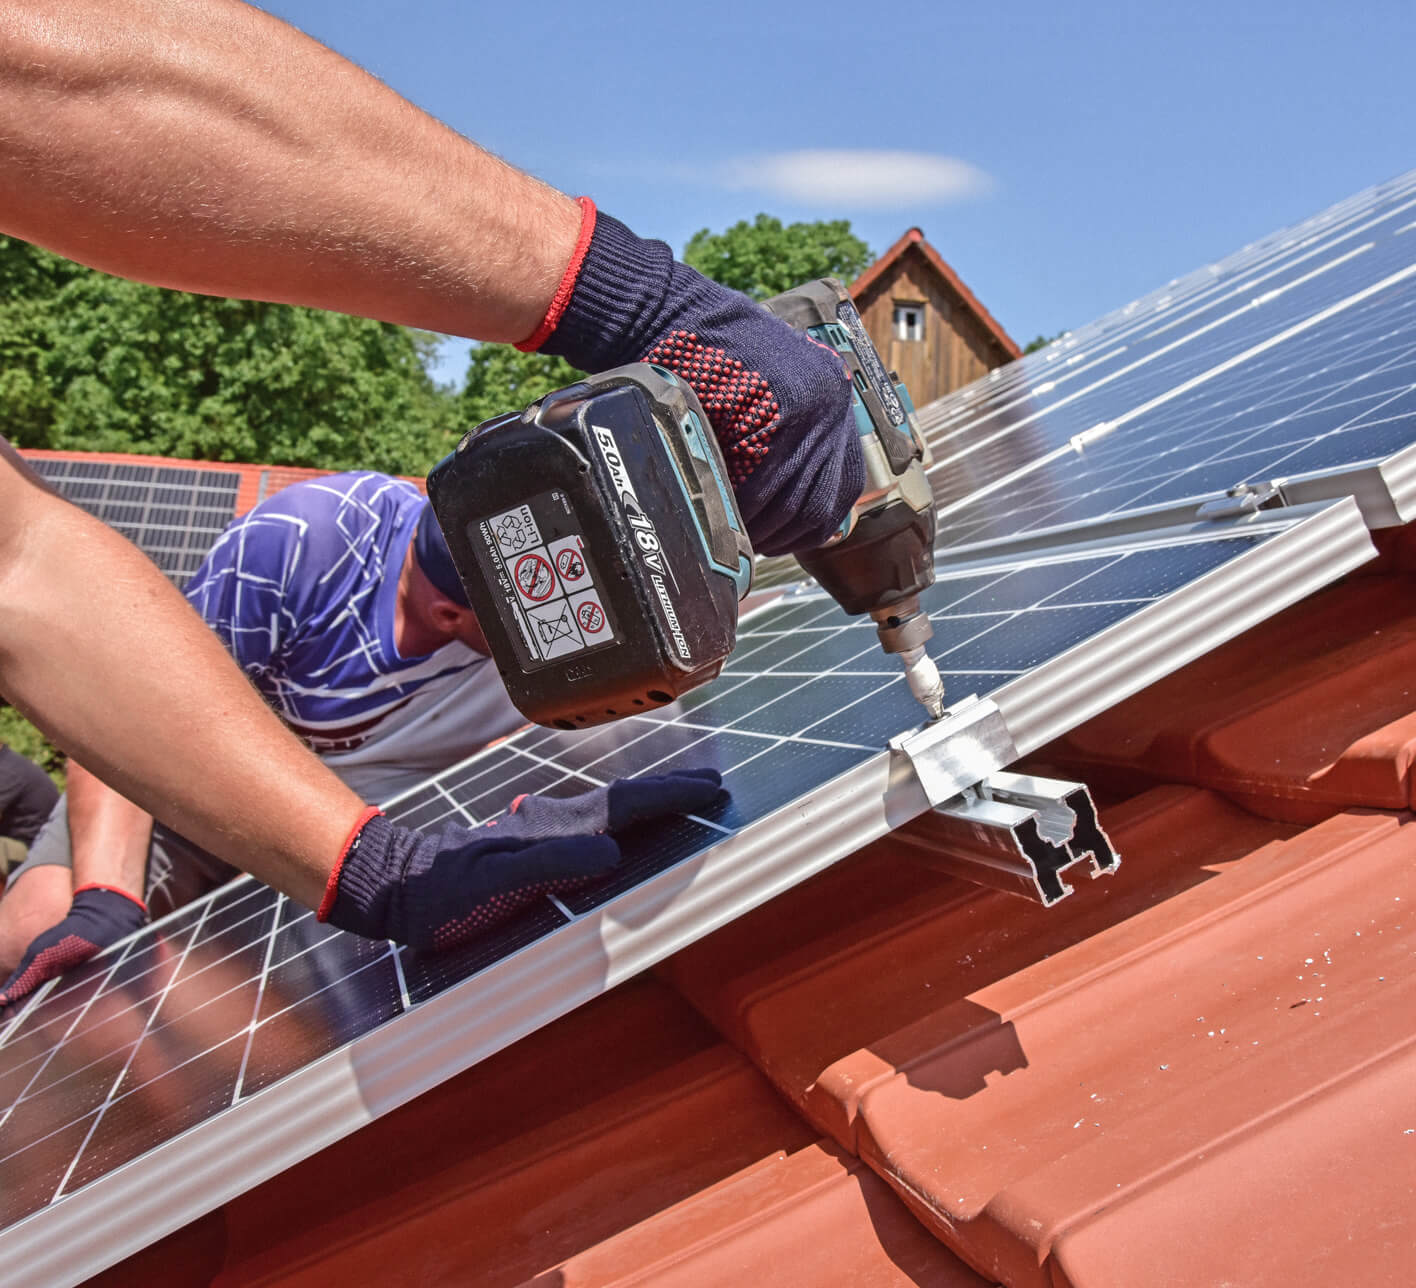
1065 159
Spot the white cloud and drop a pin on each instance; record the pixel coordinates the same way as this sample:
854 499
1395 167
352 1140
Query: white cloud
858 179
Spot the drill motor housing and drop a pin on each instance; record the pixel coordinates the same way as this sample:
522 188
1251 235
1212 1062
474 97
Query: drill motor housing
883 556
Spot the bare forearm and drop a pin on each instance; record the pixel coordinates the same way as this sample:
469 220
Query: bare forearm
109 836
107 658
205 145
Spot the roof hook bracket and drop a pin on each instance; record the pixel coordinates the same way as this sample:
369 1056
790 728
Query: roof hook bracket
1015 832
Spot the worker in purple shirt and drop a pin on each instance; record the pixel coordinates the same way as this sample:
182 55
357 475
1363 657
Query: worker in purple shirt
339 600
208 146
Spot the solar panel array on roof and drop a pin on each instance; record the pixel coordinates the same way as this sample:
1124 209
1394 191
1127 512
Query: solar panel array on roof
173 514
1293 360
238 1036
232 1013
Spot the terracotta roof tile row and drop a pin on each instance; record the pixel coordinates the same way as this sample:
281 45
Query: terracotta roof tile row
1308 714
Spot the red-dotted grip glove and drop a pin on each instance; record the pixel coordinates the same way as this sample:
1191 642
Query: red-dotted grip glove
98 916
779 402
436 891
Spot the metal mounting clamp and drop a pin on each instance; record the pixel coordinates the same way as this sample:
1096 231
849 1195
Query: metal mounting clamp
948 755
1244 498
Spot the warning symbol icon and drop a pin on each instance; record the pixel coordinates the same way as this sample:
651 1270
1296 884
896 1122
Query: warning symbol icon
554 629
591 619
534 578
570 565
590 616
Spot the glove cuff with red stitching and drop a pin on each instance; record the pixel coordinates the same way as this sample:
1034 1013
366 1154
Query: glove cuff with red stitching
779 403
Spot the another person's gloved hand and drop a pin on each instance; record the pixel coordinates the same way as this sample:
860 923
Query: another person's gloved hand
435 891
99 916
780 403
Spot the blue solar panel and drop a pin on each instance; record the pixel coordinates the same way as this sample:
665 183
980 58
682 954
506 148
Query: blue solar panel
174 514
1295 356
1294 353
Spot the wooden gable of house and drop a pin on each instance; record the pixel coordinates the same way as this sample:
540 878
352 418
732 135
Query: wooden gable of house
927 325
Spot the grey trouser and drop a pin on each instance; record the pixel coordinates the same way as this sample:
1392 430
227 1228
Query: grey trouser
177 870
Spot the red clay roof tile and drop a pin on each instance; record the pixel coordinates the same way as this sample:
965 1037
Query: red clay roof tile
1222 1020
1305 715
818 1216
810 985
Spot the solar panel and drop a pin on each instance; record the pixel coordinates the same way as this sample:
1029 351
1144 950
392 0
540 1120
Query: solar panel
1295 359
238 1036
240 1017
173 514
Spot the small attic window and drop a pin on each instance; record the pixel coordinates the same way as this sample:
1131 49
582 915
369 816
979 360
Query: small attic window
909 321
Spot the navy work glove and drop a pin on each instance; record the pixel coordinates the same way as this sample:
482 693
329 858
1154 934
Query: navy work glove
99 916
779 402
435 891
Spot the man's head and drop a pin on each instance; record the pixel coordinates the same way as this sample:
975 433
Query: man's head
435 603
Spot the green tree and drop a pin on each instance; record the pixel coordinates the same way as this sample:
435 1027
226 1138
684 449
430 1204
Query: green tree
1042 341
18 734
95 363
764 258
500 378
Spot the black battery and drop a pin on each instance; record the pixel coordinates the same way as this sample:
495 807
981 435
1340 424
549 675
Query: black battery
600 546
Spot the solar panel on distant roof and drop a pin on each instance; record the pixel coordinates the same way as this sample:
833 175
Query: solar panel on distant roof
239 1036
172 513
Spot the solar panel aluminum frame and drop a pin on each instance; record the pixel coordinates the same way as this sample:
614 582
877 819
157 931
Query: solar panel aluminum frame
191 1174
1385 493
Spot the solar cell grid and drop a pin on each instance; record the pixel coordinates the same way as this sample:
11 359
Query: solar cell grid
1180 313
234 993
1295 359
1333 397
172 513
230 1009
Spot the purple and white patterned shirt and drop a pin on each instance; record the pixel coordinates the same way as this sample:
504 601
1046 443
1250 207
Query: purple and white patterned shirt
302 590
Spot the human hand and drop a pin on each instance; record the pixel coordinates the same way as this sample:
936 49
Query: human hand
435 891
98 916
780 403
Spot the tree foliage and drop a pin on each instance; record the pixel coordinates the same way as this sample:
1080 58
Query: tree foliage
19 735
764 258
90 362
500 378
95 363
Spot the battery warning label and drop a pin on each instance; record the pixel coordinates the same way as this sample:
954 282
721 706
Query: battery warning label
515 530
548 590
535 582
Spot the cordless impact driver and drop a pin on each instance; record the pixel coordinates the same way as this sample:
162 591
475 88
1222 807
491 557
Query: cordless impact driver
602 548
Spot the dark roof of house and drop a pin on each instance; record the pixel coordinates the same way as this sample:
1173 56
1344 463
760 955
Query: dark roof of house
914 240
